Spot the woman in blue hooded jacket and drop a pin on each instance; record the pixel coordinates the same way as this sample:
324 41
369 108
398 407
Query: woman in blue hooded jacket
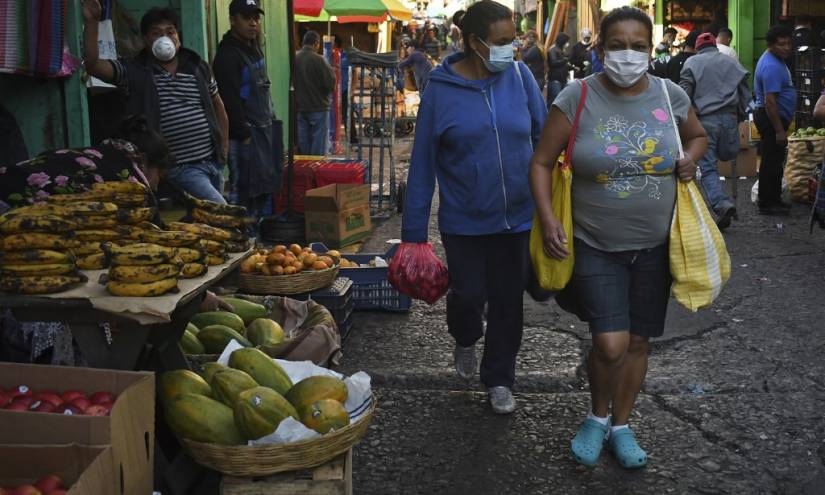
478 121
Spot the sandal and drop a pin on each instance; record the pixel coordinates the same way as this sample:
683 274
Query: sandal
624 447
587 444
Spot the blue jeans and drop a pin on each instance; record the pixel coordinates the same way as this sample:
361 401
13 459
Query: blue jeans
723 144
312 132
238 153
203 180
553 90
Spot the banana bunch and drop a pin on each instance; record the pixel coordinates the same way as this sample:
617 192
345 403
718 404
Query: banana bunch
142 269
134 216
169 238
193 260
219 220
216 208
41 284
121 193
38 271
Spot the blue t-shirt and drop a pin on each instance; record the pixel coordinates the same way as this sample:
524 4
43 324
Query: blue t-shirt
773 76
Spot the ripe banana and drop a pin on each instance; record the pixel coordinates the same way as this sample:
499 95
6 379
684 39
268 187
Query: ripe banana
143 274
32 270
148 226
211 206
37 240
138 254
95 261
131 232
95 222
86 248
192 270
214 259
41 284
236 247
190 255
36 257
236 235
64 199
51 224
99 235
169 238
128 200
217 220
33 211
213 247
135 215
119 187
85 208
125 289
202 230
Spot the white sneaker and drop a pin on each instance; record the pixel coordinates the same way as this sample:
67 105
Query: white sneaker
465 361
502 400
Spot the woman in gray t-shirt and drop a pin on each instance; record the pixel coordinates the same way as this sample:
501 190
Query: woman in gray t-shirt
625 162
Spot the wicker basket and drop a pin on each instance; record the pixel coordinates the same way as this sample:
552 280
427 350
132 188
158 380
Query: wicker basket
282 285
263 460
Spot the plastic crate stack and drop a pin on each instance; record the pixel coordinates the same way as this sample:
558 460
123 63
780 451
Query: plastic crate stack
339 300
809 76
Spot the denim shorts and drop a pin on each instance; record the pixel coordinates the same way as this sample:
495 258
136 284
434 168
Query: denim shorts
619 291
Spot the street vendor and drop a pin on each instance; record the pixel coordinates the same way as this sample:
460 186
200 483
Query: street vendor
175 89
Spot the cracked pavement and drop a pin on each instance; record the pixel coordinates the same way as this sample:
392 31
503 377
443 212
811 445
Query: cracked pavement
733 401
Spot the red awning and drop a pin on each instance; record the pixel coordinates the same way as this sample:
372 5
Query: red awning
311 8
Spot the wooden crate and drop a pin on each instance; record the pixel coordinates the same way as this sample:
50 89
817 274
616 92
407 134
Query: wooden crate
332 478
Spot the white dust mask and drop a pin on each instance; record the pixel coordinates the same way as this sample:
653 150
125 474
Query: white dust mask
625 67
164 49
501 57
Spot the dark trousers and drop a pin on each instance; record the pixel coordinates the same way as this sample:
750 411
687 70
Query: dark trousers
491 270
773 160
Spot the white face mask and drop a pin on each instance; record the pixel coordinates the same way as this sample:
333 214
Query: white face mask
501 57
164 49
625 67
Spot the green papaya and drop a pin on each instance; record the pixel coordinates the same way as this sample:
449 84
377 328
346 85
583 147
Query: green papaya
325 415
178 382
263 331
262 368
247 310
310 390
216 337
208 370
224 318
260 410
202 419
190 343
229 383
192 329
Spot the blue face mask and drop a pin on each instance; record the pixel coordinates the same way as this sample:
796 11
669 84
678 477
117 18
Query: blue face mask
501 57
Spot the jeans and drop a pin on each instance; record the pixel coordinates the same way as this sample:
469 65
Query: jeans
553 90
312 132
773 160
203 180
488 270
238 154
723 144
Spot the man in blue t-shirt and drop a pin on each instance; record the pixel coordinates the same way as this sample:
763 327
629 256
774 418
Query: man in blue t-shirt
775 106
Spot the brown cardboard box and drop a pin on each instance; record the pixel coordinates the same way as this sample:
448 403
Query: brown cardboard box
84 470
338 214
130 430
745 165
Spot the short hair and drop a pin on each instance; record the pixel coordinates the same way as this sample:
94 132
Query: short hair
156 15
669 30
691 38
156 152
626 14
310 38
726 31
776 32
562 39
478 19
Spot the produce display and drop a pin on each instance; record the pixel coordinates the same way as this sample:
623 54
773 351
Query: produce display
141 269
51 484
283 260
808 132
22 398
212 331
248 400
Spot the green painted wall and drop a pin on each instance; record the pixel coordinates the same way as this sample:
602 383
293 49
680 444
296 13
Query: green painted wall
749 20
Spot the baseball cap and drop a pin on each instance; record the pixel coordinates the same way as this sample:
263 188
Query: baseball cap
705 40
246 7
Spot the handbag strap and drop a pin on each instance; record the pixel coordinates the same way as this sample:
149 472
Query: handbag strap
571 141
673 119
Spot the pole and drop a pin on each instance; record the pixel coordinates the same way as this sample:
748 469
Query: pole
293 117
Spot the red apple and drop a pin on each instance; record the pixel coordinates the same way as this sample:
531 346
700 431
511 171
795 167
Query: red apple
98 397
5 398
48 396
96 410
20 391
48 484
42 406
68 410
27 401
26 490
18 406
81 403
71 395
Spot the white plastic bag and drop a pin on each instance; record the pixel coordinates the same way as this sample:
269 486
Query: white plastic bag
786 193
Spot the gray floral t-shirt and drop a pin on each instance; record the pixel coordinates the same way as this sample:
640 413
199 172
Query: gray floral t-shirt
624 182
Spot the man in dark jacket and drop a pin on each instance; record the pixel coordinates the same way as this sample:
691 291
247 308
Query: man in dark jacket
420 65
534 58
255 149
174 88
580 55
675 64
314 82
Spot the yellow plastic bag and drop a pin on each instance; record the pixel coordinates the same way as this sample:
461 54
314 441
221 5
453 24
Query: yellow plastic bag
553 274
699 260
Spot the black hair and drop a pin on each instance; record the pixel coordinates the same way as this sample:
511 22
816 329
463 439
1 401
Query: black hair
626 14
338 42
310 38
561 39
149 142
691 38
725 31
156 15
478 19
670 30
776 32
713 28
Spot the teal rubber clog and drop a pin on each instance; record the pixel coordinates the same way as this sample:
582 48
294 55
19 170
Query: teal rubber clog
624 447
587 444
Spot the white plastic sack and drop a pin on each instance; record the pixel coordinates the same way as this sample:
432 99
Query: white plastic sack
786 193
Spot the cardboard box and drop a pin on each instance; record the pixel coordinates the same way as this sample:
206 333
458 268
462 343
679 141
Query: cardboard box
746 165
338 214
744 135
84 470
130 430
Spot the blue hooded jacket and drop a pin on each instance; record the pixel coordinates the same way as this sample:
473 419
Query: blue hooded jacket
476 138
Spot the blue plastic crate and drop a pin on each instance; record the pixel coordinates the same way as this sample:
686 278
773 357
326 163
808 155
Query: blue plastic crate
371 289
338 299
